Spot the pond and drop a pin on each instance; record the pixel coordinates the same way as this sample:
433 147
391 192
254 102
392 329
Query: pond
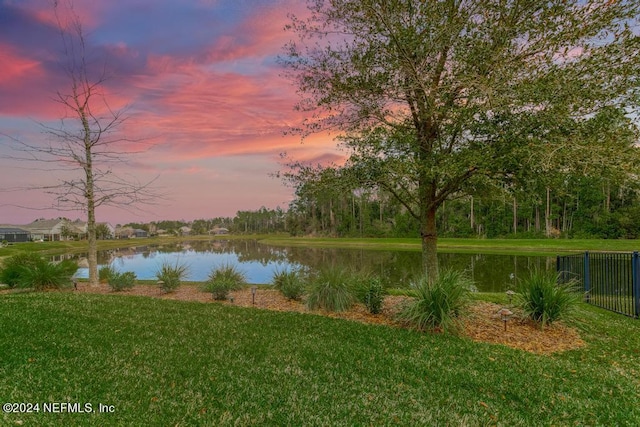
491 273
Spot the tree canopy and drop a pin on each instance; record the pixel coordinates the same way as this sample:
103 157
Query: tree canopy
435 99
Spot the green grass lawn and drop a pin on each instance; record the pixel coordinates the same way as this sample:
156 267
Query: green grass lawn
543 247
171 363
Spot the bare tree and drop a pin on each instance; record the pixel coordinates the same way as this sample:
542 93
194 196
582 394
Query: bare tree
89 140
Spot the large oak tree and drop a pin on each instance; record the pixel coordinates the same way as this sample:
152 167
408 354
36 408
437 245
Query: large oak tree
435 99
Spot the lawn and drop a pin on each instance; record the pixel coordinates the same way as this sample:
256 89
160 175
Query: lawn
542 247
162 362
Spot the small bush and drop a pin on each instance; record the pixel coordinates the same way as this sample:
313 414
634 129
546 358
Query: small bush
47 275
438 305
291 283
372 294
331 290
105 272
169 276
543 300
121 281
13 267
223 280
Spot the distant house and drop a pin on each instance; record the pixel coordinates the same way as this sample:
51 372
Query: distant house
219 231
185 231
162 232
138 232
14 235
49 229
129 232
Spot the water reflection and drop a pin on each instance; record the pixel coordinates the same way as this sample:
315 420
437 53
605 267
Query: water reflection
491 273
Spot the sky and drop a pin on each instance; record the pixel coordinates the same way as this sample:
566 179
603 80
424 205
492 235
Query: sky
206 104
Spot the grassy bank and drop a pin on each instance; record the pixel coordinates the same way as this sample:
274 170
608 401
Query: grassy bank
489 246
494 246
161 362
71 247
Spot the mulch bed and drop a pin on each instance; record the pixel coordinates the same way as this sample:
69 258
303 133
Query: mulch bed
482 323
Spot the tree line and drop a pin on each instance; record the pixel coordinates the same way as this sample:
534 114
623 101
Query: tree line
260 221
576 207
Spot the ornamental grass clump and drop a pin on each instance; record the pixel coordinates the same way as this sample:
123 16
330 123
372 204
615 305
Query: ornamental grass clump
438 305
331 289
42 274
544 300
13 267
121 281
224 279
291 283
169 276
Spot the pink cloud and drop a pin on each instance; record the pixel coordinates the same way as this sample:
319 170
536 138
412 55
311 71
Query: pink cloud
261 32
197 109
87 12
15 67
214 112
23 83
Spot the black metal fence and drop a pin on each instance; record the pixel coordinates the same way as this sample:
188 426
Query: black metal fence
610 280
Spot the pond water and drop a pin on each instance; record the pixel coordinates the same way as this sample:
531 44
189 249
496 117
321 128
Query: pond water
491 273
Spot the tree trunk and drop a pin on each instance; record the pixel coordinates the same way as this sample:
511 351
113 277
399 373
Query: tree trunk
429 234
515 216
93 246
547 214
472 218
92 256
332 217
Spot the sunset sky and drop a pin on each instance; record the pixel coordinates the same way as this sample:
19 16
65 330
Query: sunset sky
201 85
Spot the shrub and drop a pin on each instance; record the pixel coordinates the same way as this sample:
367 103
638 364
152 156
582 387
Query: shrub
438 305
13 267
47 275
169 276
223 280
120 281
331 290
372 294
543 300
291 283
105 272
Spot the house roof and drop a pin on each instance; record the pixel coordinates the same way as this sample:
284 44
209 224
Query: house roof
46 226
13 230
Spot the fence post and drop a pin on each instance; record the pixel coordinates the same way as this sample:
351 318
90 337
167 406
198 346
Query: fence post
636 283
587 277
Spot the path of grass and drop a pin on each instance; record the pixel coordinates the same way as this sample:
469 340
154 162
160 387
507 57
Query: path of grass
497 246
161 362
